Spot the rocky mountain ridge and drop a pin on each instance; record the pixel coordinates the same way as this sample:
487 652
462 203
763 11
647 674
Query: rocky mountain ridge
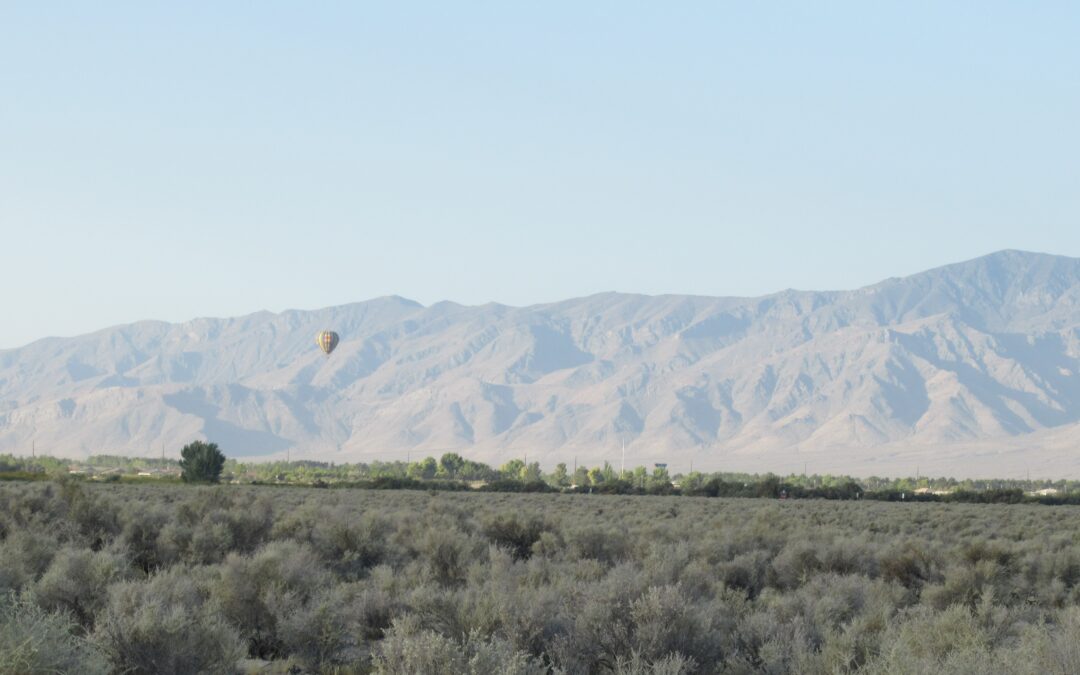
969 369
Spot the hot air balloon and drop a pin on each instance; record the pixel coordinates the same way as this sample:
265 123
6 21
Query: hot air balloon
327 340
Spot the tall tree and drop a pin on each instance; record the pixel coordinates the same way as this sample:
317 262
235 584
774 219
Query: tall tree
513 470
424 469
560 478
451 464
532 473
201 462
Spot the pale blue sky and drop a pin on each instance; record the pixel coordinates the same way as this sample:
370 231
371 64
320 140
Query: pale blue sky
173 160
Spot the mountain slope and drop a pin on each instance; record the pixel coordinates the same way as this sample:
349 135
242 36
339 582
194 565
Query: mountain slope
970 369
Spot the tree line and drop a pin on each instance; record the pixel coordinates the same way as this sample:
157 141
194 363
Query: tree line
204 462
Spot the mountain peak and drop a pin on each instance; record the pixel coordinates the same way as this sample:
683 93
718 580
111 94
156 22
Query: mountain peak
1013 262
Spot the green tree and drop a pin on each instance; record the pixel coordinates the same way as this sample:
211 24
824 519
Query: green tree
513 470
477 471
609 473
451 464
769 486
693 481
560 478
201 462
425 469
532 473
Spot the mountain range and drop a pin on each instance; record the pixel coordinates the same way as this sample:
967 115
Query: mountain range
971 369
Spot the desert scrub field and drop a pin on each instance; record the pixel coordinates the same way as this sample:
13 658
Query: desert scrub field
156 578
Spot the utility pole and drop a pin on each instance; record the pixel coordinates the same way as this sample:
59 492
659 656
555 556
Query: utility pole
33 449
622 469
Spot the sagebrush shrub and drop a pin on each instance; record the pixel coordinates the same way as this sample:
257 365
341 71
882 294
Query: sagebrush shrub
409 649
516 534
36 642
352 580
163 625
78 582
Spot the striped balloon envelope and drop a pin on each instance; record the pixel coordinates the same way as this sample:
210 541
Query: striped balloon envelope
327 340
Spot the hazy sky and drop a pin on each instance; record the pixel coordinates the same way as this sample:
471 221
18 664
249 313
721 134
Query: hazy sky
174 160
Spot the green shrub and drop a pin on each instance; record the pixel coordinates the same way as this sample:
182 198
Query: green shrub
516 534
254 593
408 650
921 640
672 664
33 641
24 557
318 632
603 544
78 580
446 554
163 625
666 624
